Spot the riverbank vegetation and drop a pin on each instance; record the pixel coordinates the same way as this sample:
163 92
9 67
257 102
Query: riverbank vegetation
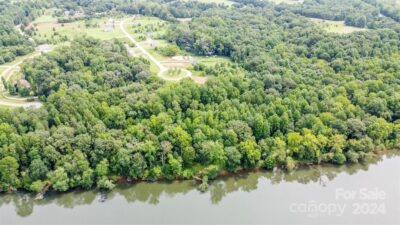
293 94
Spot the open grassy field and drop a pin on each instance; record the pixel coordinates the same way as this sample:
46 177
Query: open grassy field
212 60
49 30
209 62
45 18
338 27
143 28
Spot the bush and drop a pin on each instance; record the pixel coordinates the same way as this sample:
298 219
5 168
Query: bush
213 171
290 163
37 186
270 162
353 156
339 158
169 50
105 183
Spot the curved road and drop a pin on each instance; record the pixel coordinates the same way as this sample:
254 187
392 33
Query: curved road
161 67
13 102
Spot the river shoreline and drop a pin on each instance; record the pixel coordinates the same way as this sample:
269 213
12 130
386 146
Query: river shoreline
126 181
243 198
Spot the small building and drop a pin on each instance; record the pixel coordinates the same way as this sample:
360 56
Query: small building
22 87
22 83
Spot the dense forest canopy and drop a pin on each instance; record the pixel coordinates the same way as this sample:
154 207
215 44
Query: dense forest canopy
167 10
293 94
389 8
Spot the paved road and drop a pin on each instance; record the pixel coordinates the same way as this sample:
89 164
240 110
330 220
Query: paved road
161 67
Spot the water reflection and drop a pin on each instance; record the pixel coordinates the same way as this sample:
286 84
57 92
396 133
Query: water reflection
150 193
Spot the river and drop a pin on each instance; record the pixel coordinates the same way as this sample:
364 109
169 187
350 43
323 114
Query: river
365 193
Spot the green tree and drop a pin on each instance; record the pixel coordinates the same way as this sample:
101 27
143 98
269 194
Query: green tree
233 158
59 179
9 173
250 152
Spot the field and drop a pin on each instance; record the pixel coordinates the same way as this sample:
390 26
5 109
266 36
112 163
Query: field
146 28
46 18
49 30
212 60
336 26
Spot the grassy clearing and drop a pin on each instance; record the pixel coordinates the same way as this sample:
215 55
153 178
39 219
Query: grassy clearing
175 72
212 60
338 27
45 18
143 28
52 31
208 62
